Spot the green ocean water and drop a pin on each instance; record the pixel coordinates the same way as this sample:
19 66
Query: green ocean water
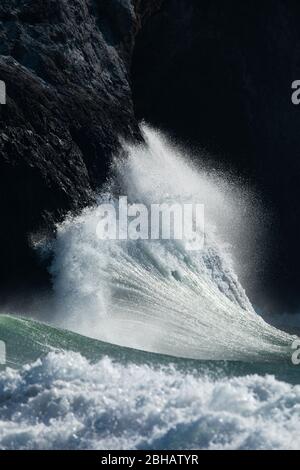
61 390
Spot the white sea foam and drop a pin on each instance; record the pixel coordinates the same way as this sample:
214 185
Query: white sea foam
156 295
62 401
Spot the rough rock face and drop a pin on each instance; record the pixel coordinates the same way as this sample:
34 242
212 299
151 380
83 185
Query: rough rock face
215 75
218 74
66 67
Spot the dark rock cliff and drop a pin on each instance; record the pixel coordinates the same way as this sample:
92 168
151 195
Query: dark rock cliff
66 66
218 75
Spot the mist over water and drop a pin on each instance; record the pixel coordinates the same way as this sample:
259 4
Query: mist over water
157 295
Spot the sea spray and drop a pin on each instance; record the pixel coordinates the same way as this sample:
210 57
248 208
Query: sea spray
156 295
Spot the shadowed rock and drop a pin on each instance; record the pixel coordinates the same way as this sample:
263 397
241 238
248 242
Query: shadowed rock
66 68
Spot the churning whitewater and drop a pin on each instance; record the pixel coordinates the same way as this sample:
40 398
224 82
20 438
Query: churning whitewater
156 295
64 402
